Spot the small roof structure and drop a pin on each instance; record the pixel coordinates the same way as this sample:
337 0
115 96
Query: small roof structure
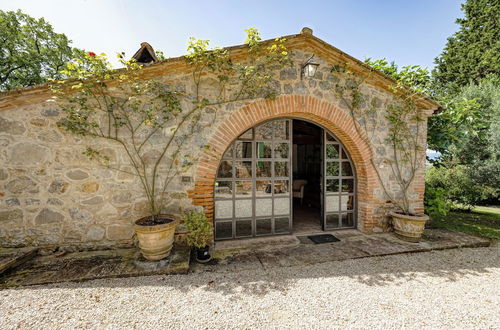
145 54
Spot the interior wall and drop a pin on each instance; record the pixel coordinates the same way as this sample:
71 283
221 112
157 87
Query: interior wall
307 160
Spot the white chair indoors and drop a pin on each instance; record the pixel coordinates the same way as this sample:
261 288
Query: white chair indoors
298 189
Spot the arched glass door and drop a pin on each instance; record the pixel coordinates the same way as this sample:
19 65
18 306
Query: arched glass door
252 189
254 179
339 180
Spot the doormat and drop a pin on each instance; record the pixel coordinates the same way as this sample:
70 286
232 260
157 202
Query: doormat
323 238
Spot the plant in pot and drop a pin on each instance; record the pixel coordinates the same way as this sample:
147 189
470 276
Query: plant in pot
403 147
146 129
199 235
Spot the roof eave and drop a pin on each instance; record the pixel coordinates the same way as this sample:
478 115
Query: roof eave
153 68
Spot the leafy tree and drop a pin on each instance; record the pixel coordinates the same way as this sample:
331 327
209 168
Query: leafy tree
453 185
30 51
411 76
467 122
480 149
470 58
473 52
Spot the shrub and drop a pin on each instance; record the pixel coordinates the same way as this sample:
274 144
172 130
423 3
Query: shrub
436 202
200 229
452 185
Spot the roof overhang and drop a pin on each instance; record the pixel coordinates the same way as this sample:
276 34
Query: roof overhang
304 41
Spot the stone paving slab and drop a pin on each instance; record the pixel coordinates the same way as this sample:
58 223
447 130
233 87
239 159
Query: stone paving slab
10 258
82 266
350 246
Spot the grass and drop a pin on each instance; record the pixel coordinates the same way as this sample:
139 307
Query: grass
482 221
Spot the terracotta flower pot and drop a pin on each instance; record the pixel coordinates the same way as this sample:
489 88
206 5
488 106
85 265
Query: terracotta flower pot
409 227
156 238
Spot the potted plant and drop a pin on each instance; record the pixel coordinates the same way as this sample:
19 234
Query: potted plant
199 235
408 227
405 136
156 235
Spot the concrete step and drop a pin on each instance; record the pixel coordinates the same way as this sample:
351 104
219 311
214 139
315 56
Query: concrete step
13 257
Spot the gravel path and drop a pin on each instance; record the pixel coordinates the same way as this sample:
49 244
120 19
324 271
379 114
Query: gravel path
440 289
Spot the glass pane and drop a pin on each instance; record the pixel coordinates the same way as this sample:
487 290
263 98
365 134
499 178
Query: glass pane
332 220
332 151
225 169
243 188
223 209
243 149
346 169
263 226
281 150
348 185
332 203
223 229
282 187
330 137
264 131
263 169
248 135
282 129
281 225
332 168
346 203
281 169
344 154
281 206
347 219
263 188
243 208
332 185
223 189
264 150
243 228
243 169
229 152
263 207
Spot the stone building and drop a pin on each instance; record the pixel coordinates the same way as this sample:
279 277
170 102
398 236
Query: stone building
291 164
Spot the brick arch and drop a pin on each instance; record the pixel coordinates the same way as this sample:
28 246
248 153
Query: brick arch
298 107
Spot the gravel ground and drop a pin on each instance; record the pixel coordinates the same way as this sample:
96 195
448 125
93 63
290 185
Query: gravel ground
440 289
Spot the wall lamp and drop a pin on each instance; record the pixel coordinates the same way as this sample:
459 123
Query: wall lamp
309 68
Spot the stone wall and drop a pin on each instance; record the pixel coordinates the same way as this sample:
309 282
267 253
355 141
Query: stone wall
51 194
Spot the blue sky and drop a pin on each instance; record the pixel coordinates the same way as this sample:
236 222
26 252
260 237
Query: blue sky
408 32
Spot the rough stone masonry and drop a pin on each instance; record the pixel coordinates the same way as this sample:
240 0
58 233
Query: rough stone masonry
53 195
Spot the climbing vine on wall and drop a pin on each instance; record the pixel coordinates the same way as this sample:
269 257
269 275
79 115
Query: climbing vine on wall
153 121
404 121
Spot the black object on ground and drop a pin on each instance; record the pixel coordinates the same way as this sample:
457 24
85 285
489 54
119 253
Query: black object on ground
323 238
